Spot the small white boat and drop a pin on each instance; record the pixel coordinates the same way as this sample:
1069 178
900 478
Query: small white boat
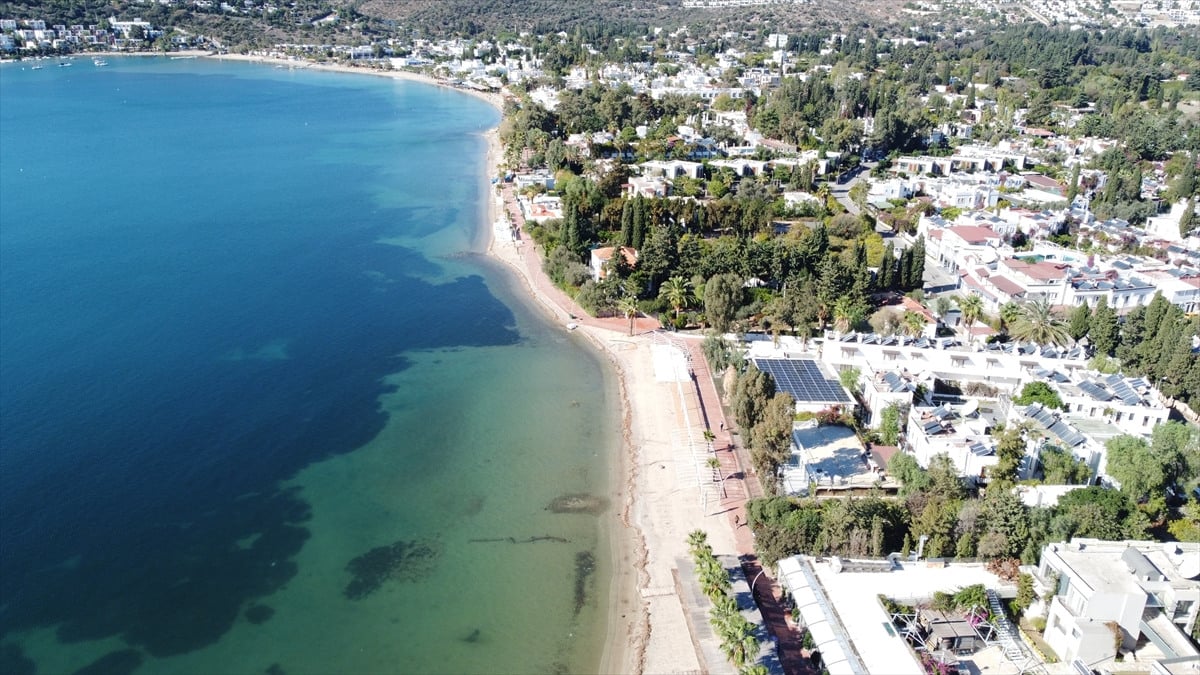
572 326
65 65
99 63
36 68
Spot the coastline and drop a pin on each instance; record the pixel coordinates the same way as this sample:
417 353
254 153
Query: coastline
628 626
495 99
648 628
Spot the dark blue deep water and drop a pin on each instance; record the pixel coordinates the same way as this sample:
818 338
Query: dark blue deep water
201 294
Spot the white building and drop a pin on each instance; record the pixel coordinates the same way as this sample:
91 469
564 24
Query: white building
1147 589
960 434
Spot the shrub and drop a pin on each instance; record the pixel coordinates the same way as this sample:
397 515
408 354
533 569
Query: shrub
1007 569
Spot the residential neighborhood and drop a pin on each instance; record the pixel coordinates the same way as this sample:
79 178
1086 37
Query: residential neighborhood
932 292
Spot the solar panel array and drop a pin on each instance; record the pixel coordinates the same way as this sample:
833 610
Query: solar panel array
1055 425
895 383
1095 391
803 379
1123 391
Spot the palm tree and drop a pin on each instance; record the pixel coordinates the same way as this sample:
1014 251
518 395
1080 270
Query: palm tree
1038 322
714 579
738 641
1009 312
725 613
675 291
628 308
845 314
697 541
914 323
715 465
971 307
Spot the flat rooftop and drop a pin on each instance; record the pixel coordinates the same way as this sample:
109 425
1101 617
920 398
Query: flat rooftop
853 596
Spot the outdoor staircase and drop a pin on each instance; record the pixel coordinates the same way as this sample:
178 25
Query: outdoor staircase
1009 639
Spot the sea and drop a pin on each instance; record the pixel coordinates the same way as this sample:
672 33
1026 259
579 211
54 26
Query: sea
266 406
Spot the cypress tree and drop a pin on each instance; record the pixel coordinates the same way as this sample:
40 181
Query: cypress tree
1102 330
887 268
1073 188
916 276
626 224
639 222
1080 321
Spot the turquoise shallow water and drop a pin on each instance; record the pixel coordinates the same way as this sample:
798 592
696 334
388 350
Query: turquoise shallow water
263 405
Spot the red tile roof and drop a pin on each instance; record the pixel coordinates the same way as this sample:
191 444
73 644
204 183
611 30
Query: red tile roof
1007 285
974 234
1042 271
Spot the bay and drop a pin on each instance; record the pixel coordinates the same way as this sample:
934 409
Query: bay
264 406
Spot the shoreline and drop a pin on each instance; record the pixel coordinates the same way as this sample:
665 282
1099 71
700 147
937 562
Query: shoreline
624 646
648 629
495 99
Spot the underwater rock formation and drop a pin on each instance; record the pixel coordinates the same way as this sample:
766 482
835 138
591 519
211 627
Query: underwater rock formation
578 503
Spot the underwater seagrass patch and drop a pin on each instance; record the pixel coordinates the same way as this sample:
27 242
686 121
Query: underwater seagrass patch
405 561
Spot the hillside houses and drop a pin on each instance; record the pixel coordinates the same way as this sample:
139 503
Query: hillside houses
985 265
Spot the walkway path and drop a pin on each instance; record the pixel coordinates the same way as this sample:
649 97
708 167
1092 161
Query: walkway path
766 590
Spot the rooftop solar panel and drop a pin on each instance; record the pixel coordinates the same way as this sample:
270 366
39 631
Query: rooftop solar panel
1092 389
804 380
1127 395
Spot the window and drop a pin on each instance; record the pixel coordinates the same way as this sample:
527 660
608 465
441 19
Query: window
1075 633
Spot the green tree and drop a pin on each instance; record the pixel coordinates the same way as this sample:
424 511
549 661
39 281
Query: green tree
1132 463
1010 448
771 439
751 392
1060 467
904 468
1080 320
889 424
1004 515
1039 392
1103 328
913 323
722 299
848 377
1010 312
1187 526
1177 447
1097 512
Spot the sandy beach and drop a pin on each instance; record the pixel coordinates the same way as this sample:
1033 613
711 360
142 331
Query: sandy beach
496 100
659 499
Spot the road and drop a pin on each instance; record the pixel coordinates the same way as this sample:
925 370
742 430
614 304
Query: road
841 188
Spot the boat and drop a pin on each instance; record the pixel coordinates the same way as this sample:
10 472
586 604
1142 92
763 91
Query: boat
64 65
36 68
99 63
